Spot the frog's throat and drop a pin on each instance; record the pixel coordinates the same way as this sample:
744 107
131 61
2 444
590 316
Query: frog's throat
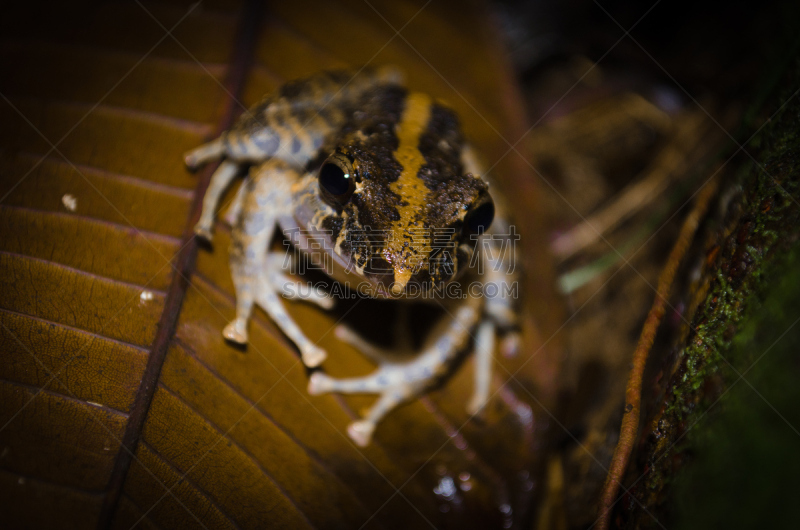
409 244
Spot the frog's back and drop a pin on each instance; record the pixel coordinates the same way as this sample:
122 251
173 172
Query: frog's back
411 193
376 126
294 123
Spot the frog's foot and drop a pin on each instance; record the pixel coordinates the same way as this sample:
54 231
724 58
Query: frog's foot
236 331
268 298
361 432
203 232
388 381
400 382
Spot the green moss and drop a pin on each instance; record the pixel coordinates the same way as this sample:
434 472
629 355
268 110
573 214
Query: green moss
734 322
769 222
745 464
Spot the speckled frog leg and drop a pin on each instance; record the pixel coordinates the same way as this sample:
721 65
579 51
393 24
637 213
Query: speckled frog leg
499 317
257 277
235 208
400 382
220 180
272 284
498 276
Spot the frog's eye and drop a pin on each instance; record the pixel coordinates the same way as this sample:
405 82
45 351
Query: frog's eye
337 180
479 217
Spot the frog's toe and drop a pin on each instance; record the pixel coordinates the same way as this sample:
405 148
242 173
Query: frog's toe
236 331
344 333
299 291
361 432
199 155
194 159
191 160
319 383
476 404
313 355
325 301
203 232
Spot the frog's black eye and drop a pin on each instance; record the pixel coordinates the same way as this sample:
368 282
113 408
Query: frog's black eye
479 218
336 180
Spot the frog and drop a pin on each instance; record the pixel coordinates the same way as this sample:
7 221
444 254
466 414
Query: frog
383 177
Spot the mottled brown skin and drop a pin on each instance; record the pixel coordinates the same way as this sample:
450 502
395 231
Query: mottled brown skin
369 140
383 176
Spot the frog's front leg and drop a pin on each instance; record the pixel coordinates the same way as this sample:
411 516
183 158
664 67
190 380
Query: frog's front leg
484 355
499 315
400 382
257 276
249 240
273 283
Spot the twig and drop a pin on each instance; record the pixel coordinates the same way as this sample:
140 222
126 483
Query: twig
633 391
673 160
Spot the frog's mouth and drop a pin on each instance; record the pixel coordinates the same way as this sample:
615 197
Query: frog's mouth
399 284
384 275
377 279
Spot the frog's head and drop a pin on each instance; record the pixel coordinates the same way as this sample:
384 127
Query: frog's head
400 210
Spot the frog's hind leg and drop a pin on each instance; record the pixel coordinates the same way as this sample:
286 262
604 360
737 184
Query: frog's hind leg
220 180
262 203
239 149
387 382
400 382
379 355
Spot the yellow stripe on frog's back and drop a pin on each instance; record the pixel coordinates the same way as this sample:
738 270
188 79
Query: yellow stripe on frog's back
412 191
